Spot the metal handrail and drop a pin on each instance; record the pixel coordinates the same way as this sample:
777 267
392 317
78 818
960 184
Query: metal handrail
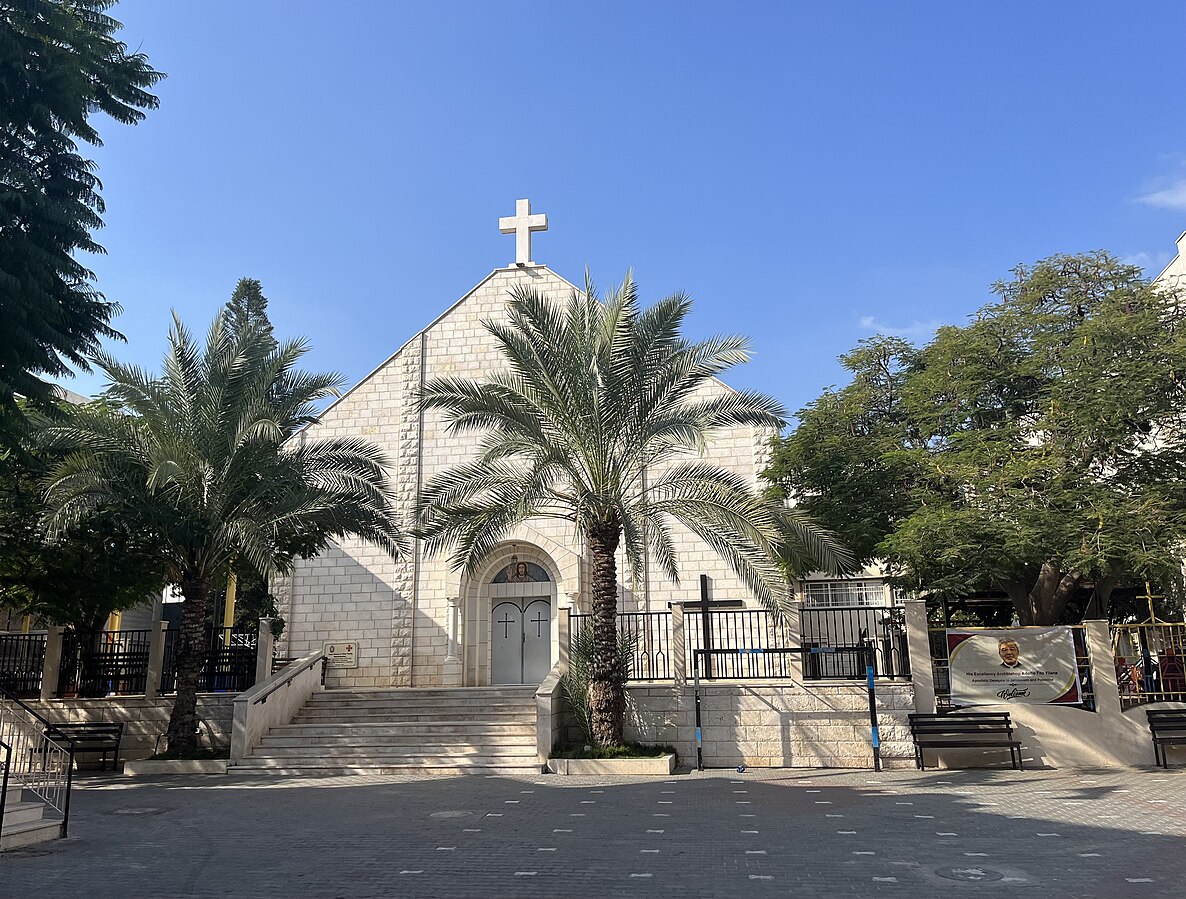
263 697
46 782
4 783
49 725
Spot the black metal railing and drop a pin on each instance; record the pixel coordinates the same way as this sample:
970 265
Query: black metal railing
40 764
228 662
104 663
22 657
651 631
834 638
747 644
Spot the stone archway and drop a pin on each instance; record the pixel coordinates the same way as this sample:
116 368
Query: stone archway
510 617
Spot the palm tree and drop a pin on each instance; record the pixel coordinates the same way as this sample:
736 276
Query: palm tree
199 458
599 420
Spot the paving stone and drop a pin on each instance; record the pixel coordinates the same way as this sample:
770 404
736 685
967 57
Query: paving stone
372 836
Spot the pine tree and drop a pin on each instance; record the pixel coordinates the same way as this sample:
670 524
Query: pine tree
248 308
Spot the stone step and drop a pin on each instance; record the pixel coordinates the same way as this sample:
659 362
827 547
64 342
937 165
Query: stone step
352 739
14 792
425 693
373 770
384 765
17 813
350 752
459 728
422 705
367 717
21 835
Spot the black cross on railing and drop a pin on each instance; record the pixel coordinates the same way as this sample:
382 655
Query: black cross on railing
706 605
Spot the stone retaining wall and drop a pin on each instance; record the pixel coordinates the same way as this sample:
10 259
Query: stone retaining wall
144 719
782 724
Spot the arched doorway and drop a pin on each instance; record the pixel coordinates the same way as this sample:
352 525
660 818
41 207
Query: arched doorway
522 607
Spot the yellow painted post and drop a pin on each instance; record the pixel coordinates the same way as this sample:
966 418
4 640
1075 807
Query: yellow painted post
26 624
113 620
228 611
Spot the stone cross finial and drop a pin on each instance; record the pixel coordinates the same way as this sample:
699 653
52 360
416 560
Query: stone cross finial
521 224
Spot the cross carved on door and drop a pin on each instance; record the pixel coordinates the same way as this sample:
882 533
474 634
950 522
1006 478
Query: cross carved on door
539 621
506 623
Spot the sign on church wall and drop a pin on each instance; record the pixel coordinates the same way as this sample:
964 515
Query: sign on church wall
1027 665
342 655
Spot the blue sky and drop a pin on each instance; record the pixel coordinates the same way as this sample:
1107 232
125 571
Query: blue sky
809 173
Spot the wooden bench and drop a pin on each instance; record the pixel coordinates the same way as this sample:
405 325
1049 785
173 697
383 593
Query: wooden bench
1168 727
90 736
964 730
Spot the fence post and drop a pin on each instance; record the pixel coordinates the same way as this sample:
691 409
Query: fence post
263 651
563 636
679 646
918 643
51 667
156 660
1103 669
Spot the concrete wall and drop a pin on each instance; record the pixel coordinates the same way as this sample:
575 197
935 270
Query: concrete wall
144 719
779 724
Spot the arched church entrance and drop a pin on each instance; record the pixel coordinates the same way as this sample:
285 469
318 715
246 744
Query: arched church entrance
522 597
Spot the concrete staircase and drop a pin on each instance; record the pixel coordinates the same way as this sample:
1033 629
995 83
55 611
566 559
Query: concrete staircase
24 824
404 731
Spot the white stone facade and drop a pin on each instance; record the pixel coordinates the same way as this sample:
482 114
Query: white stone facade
417 622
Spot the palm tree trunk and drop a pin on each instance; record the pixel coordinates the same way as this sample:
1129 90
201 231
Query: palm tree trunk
191 654
607 693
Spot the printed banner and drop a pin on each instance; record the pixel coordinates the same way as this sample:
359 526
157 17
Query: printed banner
1027 664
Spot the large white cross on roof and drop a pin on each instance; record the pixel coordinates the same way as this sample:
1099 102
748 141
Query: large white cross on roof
521 224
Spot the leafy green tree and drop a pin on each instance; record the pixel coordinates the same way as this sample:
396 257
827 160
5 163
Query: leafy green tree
596 395
199 459
59 64
98 567
1036 450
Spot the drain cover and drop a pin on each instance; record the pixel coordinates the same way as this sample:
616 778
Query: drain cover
450 814
137 811
970 874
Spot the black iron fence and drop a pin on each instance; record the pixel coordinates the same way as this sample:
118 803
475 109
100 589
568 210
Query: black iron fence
104 663
754 644
738 644
834 640
21 659
228 660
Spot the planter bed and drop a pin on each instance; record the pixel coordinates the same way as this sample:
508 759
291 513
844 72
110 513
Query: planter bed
175 766
658 765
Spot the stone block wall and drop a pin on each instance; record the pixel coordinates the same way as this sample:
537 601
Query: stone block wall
144 720
781 724
398 611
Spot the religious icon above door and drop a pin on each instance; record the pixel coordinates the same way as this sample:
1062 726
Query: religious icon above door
521 573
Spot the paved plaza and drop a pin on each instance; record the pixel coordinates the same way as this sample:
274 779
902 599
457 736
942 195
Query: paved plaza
760 833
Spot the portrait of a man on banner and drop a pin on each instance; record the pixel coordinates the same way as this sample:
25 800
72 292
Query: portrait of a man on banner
1014 665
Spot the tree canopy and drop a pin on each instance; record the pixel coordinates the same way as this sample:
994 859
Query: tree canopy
198 459
1036 450
60 64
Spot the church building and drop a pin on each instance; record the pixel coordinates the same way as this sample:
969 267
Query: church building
416 621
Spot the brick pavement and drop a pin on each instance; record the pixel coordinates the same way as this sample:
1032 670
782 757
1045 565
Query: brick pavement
763 833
